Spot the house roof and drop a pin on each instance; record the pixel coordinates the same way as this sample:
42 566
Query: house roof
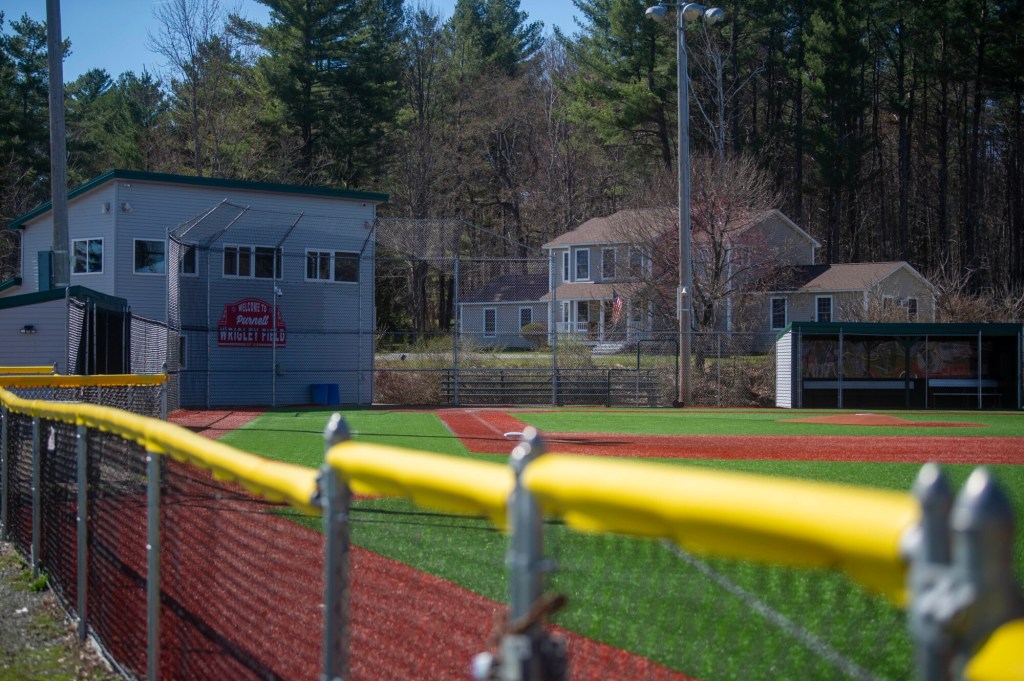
618 227
78 292
584 291
628 225
510 288
839 277
216 182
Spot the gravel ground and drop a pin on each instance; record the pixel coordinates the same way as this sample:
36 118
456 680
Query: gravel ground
37 640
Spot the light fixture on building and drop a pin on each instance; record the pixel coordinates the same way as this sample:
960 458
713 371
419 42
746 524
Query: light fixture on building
28 329
126 207
104 207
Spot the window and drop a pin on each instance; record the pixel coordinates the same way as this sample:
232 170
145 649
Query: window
638 263
87 256
257 262
912 309
150 257
188 264
525 316
332 266
490 322
823 309
565 266
583 265
778 313
607 264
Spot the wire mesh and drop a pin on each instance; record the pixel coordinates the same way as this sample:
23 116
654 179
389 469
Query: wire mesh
425 591
145 400
241 582
646 609
733 370
59 495
265 307
116 558
19 482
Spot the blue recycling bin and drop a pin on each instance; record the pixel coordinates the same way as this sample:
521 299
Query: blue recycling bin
326 393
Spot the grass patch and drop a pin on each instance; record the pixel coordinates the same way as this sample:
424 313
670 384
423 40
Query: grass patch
763 422
297 436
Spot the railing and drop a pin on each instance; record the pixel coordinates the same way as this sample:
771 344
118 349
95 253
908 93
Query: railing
183 557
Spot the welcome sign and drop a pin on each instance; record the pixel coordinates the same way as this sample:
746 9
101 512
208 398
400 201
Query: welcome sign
249 323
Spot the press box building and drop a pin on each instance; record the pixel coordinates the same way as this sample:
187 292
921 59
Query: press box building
257 294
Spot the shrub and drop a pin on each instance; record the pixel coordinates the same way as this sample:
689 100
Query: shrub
537 334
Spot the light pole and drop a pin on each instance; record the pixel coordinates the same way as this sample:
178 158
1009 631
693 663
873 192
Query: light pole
685 12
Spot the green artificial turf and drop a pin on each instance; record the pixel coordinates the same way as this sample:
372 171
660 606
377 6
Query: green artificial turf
297 436
636 594
763 422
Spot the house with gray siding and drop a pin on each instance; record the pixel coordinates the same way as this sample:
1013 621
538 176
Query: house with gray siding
267 289
614 278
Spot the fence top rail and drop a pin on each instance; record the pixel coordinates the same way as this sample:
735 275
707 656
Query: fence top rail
273 480
436 481
100 380
21 371
791 522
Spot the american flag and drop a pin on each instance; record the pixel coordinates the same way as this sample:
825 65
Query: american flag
616 307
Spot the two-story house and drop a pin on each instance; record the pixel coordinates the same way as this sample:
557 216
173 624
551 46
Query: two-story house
615 278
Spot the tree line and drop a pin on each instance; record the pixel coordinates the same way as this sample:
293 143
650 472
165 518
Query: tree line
888 130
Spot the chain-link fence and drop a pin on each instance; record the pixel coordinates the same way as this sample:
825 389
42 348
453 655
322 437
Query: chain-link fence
270 308
468 317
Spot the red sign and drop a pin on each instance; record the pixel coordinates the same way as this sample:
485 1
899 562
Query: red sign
249 324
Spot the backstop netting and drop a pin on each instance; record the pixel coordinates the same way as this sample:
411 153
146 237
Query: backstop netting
268 308
469 317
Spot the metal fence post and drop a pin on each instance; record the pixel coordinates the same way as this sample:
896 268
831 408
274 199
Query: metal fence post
5 418
982 522
153 480
81 452
164 388
37 498
335 500
961 577
929 564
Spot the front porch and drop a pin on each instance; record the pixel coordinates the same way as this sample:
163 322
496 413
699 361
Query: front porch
603 321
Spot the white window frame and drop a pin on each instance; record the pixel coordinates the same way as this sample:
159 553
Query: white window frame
913 313
74 255
135 263
275 253
332 264
529 311
817 309
185 249
494 331
582 263
566 269
785 312
639 263
608 263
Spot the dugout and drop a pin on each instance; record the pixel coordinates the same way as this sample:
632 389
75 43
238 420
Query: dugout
856 365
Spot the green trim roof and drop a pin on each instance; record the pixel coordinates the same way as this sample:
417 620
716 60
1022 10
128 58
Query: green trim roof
79 292
143 176
10 283
902 329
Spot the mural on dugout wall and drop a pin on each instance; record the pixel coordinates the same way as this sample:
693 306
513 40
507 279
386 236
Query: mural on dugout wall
888 359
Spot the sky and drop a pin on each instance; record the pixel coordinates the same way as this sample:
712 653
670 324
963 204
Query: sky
112 34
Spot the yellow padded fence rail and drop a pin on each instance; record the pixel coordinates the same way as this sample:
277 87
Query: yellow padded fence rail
272 480
19 371
1000 658
790 522
434 481
100 380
